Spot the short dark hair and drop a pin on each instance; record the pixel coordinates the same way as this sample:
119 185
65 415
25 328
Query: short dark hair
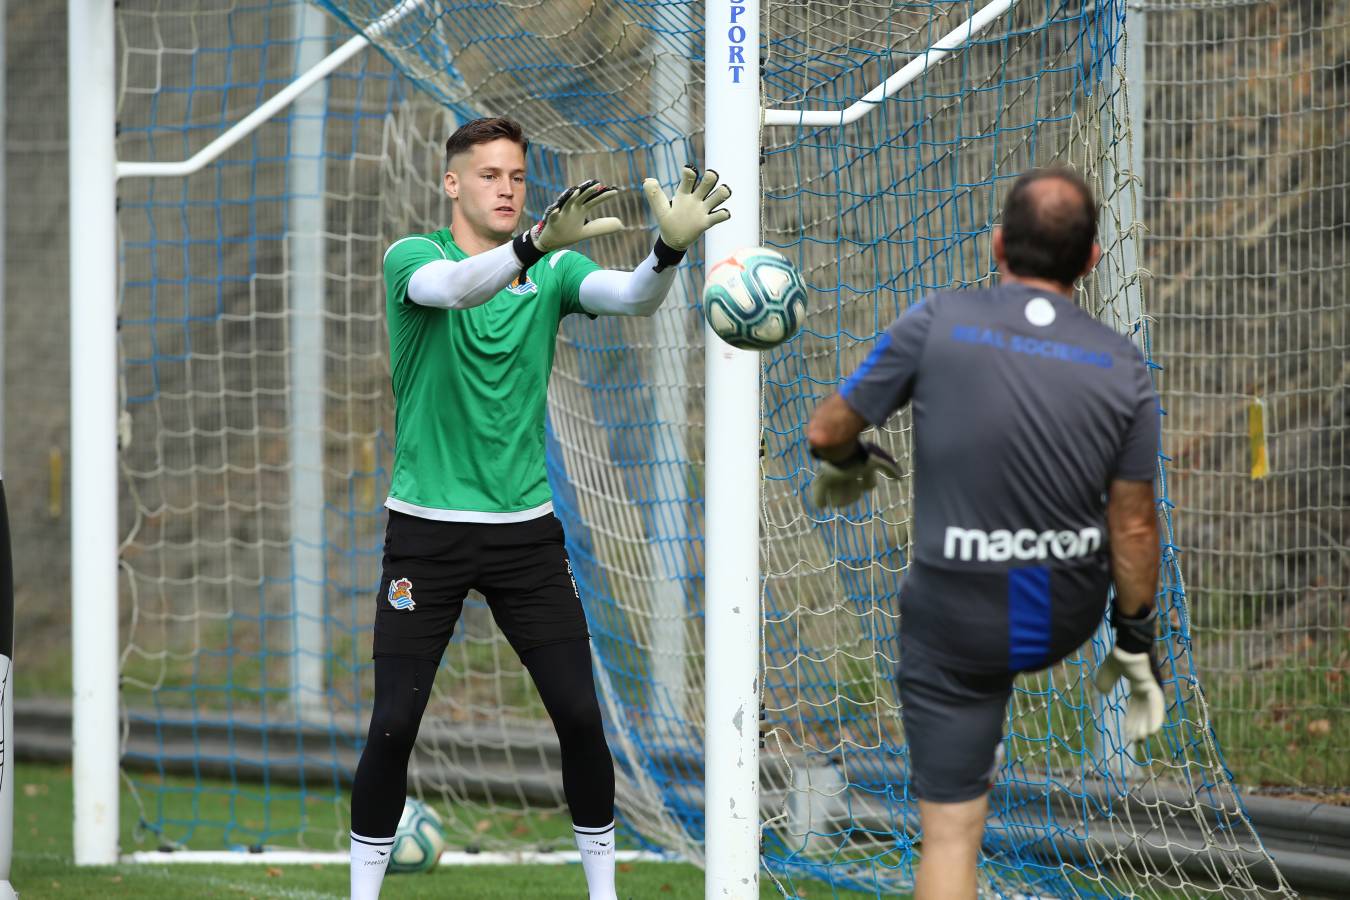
1046 235
481 131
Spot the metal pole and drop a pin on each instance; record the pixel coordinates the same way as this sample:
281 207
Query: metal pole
1123 311
93 427
732 484
305 263
1131 212
669 689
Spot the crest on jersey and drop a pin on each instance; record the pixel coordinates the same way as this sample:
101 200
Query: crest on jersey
400 594
522 285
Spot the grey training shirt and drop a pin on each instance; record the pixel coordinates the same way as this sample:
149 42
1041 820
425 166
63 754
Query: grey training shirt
1025 409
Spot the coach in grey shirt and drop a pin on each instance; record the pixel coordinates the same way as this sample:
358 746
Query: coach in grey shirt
1035 450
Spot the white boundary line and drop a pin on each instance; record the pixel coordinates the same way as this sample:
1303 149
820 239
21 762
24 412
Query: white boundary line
448 858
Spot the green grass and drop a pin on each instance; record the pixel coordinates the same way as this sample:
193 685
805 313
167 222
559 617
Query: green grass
43 865
1283 725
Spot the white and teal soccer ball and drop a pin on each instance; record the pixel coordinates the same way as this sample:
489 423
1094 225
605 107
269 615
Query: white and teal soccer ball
418 842
754 299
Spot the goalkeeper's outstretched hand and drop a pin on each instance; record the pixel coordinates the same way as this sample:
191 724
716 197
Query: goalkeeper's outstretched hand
567 220
842 483
691 211
1132 657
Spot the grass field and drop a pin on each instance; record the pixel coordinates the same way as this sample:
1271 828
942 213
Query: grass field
43 867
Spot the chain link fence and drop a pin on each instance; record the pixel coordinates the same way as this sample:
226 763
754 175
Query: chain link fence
1247 184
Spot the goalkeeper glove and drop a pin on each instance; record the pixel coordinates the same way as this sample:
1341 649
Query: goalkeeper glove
691 211
565 222
1133 658
842 483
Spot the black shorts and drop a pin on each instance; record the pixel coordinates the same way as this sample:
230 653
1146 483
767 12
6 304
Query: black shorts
1023 619
520 568
964 637
953 723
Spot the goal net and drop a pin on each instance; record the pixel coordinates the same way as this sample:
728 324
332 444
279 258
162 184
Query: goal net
258 433
1247 242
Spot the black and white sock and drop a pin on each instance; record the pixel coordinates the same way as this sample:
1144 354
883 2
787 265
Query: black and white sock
597 859
370 859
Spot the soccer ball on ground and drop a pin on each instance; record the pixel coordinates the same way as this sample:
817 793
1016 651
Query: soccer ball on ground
754 299
418 842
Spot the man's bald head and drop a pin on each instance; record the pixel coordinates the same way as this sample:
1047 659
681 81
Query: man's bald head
1049 225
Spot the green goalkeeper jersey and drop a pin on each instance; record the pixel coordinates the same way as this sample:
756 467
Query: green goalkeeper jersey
471 387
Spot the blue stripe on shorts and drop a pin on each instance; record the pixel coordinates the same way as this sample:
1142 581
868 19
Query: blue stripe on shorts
1028 617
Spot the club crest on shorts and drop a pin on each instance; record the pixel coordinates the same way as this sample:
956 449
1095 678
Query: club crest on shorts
400 594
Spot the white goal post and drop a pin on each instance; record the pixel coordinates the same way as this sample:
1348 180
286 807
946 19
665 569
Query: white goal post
732 620
93 429
94 174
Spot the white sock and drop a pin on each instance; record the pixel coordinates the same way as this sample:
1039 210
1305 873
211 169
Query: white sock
597 858
370 857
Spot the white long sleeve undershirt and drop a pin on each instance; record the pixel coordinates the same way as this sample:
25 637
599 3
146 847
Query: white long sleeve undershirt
636 293
470 282
464 283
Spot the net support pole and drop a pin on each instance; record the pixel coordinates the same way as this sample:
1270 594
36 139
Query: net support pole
305 229
1130 212
93 428
1136 39
1122 177
670 387
732 482
1122 123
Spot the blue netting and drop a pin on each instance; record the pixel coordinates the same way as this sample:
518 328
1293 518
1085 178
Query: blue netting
874 215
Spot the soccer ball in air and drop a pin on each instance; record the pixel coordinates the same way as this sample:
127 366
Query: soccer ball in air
754 299
418 842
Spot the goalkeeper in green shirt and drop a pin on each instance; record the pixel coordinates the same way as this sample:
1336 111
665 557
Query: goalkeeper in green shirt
473 316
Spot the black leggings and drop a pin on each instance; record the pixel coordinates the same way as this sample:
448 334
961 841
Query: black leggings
561 673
